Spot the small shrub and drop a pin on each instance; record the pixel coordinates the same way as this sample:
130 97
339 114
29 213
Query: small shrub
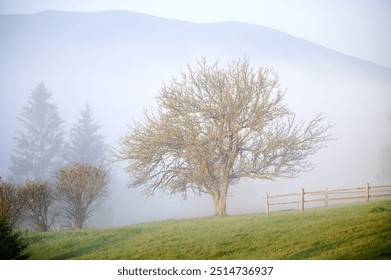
12 246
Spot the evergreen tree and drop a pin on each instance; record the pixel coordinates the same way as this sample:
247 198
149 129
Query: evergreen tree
87 145
12 245
40 143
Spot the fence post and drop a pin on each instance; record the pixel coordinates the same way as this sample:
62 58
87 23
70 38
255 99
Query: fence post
267 203
326 198
367 192
302 200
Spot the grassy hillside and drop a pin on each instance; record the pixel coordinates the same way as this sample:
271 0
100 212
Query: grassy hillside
360 231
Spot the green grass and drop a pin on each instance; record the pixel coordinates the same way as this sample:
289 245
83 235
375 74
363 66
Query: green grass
360 231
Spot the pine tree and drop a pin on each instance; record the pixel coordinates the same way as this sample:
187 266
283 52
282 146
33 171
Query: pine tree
12 245
87 145
40 143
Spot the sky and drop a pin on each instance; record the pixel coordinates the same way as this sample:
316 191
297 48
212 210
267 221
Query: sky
355 27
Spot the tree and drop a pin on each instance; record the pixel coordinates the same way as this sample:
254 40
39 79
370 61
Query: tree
79 187
87 145
40 143
12 246
215 125
40 203
12 202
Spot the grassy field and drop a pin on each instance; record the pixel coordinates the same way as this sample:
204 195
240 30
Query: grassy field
360 231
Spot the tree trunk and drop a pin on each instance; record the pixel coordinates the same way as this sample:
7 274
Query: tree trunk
220 200
216 204
219 203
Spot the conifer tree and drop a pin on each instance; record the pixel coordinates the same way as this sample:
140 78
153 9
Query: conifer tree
12 245
87 145
40 142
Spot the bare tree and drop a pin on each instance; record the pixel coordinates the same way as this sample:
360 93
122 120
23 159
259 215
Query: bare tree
214 126
12 202
79 188
40 204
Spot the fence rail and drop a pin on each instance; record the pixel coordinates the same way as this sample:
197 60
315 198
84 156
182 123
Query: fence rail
327 196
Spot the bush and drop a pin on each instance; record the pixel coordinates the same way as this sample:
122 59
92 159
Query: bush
39 200
12 246
79 188
12 202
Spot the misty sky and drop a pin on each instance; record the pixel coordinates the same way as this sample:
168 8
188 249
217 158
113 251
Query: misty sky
355 27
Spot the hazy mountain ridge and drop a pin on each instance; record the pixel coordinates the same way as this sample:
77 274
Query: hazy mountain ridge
113 27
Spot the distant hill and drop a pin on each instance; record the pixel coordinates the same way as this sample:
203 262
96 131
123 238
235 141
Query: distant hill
43 32
116 61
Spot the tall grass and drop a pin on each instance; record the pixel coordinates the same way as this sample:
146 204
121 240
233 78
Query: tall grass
361 231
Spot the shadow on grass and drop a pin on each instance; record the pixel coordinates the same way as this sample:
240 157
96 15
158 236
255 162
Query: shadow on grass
104 242
75 253
313 251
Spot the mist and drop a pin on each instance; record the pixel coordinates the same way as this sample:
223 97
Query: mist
117 62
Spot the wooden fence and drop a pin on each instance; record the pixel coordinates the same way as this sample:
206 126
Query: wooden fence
327 196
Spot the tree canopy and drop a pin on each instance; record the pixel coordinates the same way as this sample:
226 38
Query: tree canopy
215 125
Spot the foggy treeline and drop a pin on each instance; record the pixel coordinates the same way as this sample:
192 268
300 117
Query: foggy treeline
56 177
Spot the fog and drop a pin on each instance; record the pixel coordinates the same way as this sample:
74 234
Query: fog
117 62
